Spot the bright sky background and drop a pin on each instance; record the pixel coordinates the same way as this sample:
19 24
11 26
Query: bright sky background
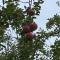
48 9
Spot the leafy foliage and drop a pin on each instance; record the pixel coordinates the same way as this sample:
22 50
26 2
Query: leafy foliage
56 50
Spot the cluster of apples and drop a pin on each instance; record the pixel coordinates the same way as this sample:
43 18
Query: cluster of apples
28 30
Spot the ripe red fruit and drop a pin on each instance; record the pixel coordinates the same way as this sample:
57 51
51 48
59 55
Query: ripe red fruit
26 28
30 11
33 26
29 35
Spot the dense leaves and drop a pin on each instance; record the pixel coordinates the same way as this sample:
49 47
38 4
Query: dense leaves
56 50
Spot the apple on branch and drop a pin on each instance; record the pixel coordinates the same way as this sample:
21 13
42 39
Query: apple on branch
33 26
30 11
30 35
26 28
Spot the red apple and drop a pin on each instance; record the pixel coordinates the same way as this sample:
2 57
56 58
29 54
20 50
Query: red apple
29 35
26 28
30 11
33 26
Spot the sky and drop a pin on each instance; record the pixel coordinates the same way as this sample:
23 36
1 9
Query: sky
48 9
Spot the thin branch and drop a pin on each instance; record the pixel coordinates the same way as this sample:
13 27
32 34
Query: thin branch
3 2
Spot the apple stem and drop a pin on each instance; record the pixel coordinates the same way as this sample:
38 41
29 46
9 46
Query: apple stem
30 3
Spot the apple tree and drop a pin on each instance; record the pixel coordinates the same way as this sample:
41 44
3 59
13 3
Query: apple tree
21 20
